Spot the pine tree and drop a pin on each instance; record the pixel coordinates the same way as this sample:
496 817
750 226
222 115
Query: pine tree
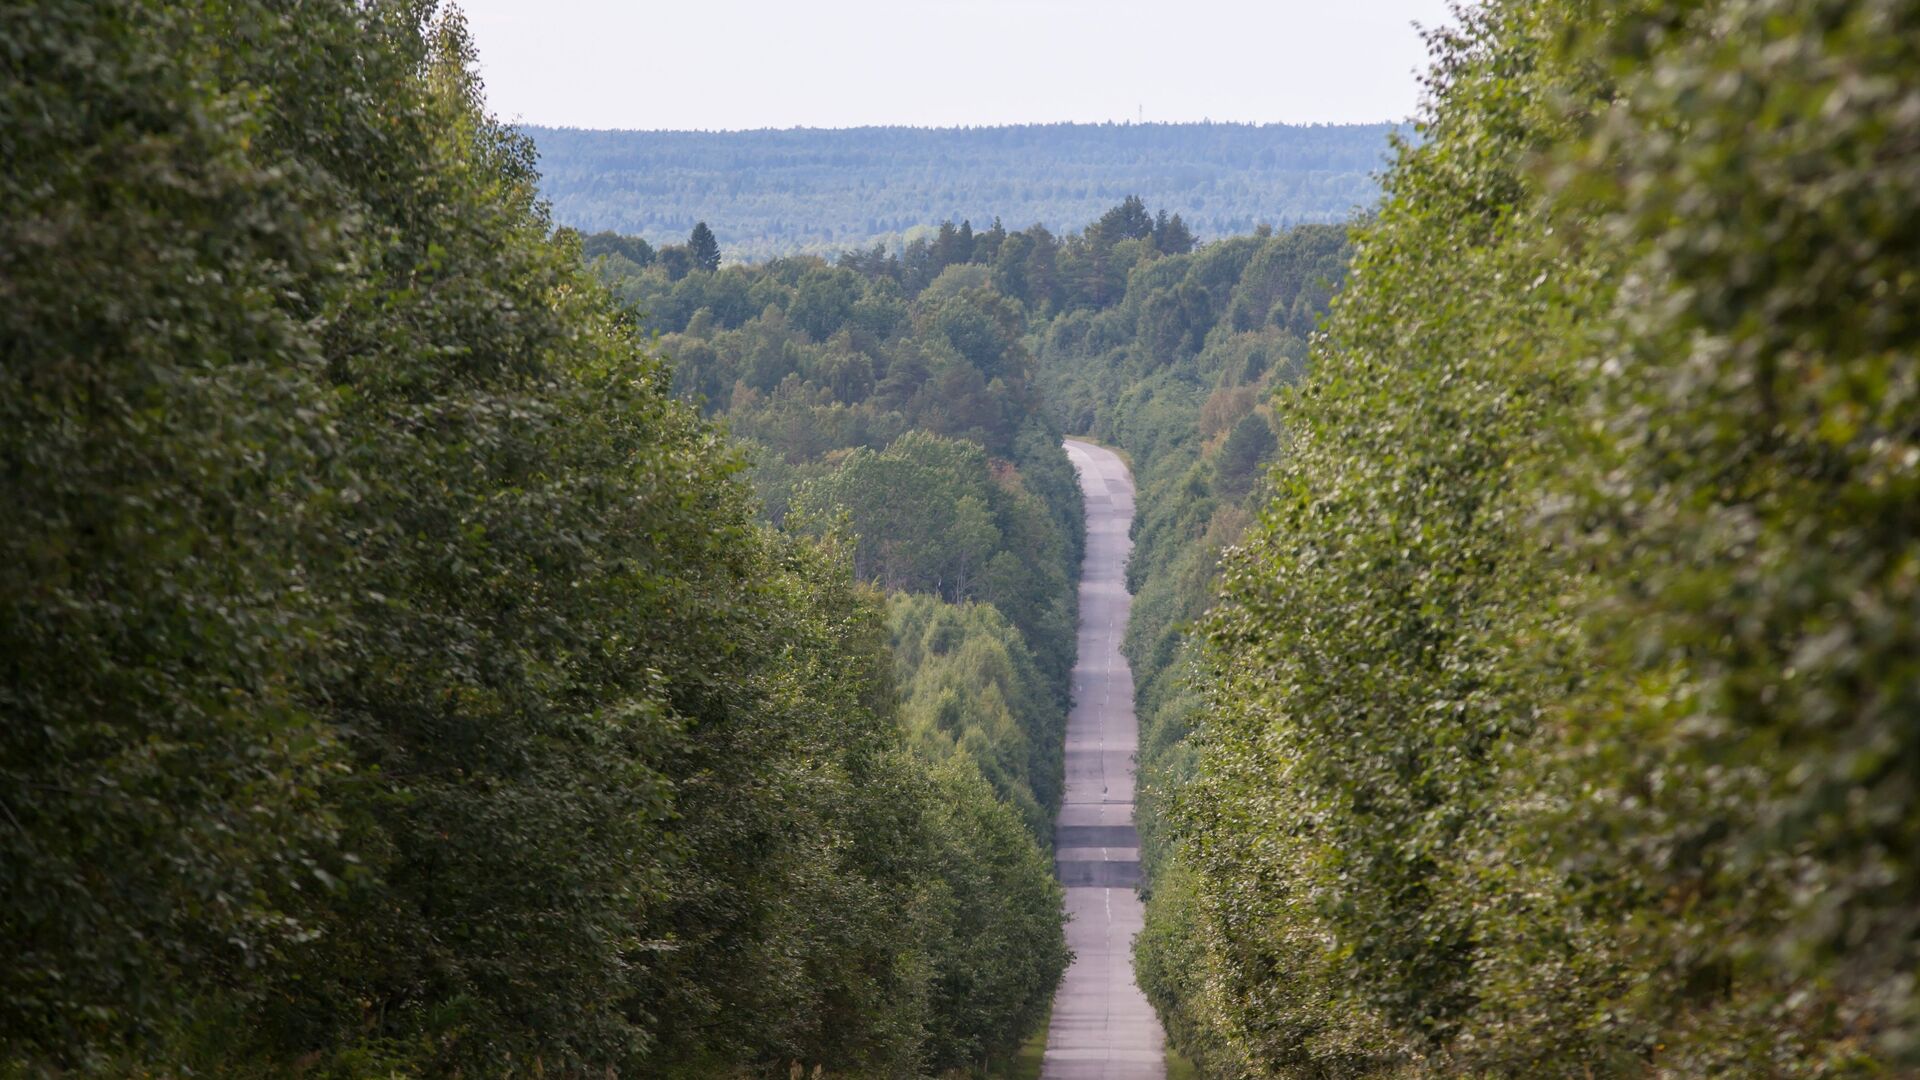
1171 235
706 249
1128 221
950 247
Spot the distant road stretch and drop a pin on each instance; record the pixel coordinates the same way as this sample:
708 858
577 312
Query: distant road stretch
1102 1025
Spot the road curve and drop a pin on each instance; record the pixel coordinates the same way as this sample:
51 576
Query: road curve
1102 1025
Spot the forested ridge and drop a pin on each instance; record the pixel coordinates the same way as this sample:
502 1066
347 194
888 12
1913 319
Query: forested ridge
819 191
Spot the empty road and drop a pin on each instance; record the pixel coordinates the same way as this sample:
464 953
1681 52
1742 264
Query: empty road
1102 1025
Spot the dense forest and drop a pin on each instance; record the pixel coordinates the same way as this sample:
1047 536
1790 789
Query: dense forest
820 191
1555 717
901 414
893 394
443 643
400 679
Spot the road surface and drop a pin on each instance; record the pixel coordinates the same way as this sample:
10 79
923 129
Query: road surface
1102 1025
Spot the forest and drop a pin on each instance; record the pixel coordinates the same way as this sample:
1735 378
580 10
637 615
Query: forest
449 633
905 419
819 191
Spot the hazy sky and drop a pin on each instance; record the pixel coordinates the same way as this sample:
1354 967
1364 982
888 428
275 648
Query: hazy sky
841 63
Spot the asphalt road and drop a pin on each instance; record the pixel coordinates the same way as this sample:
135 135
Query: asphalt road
1102 1025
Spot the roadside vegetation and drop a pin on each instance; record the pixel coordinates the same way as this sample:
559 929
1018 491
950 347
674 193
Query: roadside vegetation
400 679
1555 719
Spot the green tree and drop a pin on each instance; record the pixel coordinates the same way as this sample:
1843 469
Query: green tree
972 688
1127 221
1171 235
934 515
1250 444
632 248
704 248
823 302
677 260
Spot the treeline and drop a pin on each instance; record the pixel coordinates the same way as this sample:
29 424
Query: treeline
1557 718
1045 273
399 679
810 191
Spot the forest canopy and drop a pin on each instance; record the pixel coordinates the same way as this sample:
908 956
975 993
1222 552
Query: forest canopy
819 191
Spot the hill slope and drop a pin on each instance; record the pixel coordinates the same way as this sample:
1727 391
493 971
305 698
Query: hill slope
779 192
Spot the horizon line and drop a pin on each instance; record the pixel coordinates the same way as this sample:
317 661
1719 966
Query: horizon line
965 127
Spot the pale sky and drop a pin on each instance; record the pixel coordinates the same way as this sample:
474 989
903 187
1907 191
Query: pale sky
732 64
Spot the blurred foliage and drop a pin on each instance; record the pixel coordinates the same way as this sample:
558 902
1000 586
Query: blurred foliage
398 678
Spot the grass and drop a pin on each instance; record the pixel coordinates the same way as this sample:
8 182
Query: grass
1179 1068
1026 1063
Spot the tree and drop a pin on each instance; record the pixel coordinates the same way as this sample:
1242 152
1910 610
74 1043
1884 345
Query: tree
1127 221
633 248
1171 235
704 248
1250 443
986 245
678 261
1557 714
951 246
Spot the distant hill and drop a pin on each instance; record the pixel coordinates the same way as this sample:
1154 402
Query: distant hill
778 192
